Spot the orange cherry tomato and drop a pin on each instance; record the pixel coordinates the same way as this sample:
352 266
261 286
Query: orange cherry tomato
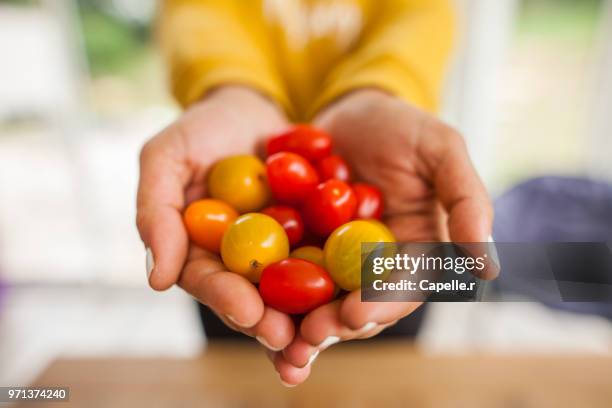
207 220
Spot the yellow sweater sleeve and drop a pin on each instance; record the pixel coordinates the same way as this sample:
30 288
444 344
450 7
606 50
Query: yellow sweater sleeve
208 43
402 48
404 51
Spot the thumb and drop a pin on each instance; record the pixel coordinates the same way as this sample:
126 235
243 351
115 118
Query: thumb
160 201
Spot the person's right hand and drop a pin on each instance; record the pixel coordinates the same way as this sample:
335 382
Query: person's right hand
173 168
432 194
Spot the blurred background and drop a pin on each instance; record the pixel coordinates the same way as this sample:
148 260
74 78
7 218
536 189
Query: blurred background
82 87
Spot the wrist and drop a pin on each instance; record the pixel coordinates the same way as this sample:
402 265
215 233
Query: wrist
361 97
242 96
259 113
236 93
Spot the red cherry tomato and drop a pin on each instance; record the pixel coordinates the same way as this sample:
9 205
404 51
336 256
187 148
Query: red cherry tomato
291 177
369 201
333 167
332 204
290 219
313 144
295 286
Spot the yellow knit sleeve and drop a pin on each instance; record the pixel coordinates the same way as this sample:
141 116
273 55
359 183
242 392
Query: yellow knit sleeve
208 43
404 51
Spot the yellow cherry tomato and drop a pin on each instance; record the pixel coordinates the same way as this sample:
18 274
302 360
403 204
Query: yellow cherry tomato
342 252
253 242
206 222
309 253
241 182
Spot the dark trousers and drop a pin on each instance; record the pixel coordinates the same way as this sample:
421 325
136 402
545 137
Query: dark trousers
215 328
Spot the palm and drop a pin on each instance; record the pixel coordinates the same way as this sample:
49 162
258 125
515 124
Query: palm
174 165
431 191
212 132
206 134
196 137
382 143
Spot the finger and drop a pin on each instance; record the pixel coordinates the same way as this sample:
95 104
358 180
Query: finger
319 330
300 353
460 190
228 294
358 315
275 330
376 331
322 327
290 376
419 227
160 201
462 194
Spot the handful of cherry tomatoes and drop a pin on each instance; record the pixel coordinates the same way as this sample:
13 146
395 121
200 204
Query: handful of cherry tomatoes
302 224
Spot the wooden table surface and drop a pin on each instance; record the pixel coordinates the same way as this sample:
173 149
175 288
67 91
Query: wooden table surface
368 375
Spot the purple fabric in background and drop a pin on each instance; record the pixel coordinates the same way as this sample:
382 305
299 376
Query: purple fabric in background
555 209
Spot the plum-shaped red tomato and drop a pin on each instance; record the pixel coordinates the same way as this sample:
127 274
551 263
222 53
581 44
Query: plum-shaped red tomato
333 167
332 204
369 201
295 286
311 143
291 177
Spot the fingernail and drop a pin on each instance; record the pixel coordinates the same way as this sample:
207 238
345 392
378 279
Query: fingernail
150 261
493 251
266 344
366 328
236 322
331 340
285 383
312 358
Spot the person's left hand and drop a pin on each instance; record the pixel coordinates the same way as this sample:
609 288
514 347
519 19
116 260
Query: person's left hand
432 193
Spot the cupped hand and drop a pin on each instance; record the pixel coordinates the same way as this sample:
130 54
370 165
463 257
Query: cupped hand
173 168
432 193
